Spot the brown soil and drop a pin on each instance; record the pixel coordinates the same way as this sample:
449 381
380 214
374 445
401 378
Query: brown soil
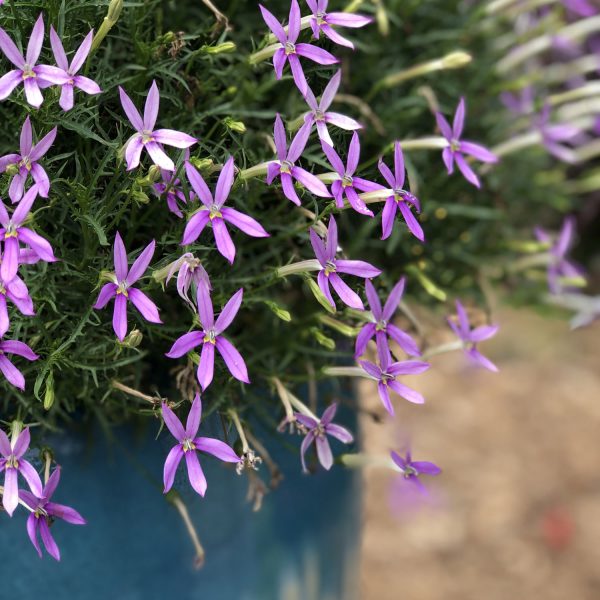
518 503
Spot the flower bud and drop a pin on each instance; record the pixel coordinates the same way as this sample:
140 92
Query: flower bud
202 164
140 197
114 10
49 392
219 48
456 60
322 339
318 294
283 314
169 37
134 339
12 170
237 126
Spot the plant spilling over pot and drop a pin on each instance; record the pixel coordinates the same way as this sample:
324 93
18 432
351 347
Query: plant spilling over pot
147 156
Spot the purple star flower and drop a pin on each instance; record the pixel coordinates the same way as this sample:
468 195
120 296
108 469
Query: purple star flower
210 337
581 7
27 163
348 184
170 187
13 234
120 289
402 200
319 111
73 80
318 430
146 136
458 148
286 170
189 444
381 326
332 267
290 51
322 22
387 374
16 291
189 270
552 135
27 72
560 266
44 513
13 463
412 470
471 337
216 214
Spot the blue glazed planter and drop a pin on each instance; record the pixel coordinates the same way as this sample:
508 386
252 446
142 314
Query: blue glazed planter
301 545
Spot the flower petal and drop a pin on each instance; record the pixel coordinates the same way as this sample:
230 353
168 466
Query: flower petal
159 157
120 317
185 343
194 227
177 139
195 473
138 268
151 107
146 307
244 222
216 448
131 111
394 299
324 452
171 463
362 339
233 359
347 296
172 422
206 366
194 417
359 268
12 374
120 258
225 244
36 39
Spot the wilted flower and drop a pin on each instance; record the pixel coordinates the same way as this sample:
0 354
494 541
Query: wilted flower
216 214
122 291
386 376
402 199
210 337
332 267
188 444
32 76
322 21
381 326
44 513
146 136
27 162
285 167
318 430
290 51
471 337
13 234
348 184
458 148
13 463
189 270
85 84
560 265
319 111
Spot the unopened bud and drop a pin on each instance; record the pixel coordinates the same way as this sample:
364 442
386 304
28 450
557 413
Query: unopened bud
15 429
12 170
283 314
114 10
140 197
318 294
223 48
49 392
237 126
322 339
202 164
231 90
169 37
456 60
134 339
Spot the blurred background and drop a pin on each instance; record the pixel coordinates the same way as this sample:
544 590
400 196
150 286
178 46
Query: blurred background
517 508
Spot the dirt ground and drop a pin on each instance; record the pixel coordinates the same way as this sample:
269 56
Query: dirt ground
517 511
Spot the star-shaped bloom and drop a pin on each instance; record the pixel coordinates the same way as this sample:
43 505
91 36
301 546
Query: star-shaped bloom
120 288
471 337
170 187
146 136
216 214
13 463
290 51
16 291
458 148
387 375
13 234
322 21
43 514
32 76
560 266
188 445
285 167
553 135
317 432
402 200
348 184
332 267
73 81
412 470
321 115
211 337
27 162
381 326
189 271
